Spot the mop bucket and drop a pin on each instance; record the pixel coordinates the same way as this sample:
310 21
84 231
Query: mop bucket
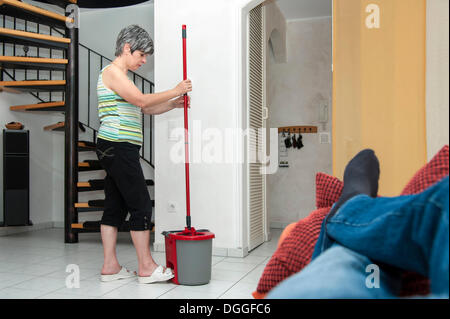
189 254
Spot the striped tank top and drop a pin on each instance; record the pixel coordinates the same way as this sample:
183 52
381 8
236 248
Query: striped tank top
120 121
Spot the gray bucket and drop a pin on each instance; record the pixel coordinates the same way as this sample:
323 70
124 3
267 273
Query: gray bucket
189 254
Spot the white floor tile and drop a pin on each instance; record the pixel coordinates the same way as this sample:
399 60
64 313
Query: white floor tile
228 275
54 295
241 290
16 293
93 287
253 276
250 259
178 293
11 279
234 266
43 284
134 290
213 287
36 269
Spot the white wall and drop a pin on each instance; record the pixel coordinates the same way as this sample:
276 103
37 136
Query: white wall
99 29
437 76
212 66
41 156
295 90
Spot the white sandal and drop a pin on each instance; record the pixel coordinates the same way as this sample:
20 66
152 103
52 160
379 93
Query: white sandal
122 274
158 275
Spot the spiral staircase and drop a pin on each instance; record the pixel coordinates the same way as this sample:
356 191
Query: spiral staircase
58 91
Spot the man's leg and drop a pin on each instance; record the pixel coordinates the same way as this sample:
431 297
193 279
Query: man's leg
340 273
408 232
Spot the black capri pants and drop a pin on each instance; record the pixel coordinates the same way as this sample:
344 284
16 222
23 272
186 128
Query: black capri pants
125 186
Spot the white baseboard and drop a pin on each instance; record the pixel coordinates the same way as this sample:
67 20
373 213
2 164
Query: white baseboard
9 230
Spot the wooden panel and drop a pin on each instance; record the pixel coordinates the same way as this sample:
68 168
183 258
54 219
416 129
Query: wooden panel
379 88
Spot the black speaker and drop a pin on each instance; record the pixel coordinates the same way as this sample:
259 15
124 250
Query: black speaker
16 178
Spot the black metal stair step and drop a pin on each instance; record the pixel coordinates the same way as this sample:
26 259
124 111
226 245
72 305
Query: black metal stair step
95 206
29 63
60 3
99 184
44 106
33 39
25 11
94 227
36 85
89 165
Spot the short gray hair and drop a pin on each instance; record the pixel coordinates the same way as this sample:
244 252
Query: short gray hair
136 37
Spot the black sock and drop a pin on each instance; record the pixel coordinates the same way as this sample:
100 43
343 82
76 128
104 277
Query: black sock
360 177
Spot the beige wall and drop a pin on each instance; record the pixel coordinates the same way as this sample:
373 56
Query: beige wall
379 88
437 75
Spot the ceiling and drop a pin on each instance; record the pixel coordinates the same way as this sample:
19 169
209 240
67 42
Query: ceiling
302 9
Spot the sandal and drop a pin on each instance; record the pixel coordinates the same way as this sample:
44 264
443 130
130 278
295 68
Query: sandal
158 275
122 274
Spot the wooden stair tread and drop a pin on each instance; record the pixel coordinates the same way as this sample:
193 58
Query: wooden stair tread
98 184
32 63
9 90
54 126
32 59
36 85
32 13
32 83
37 106
90 165
94 226
25 37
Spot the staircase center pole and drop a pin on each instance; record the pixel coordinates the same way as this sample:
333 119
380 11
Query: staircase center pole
71 138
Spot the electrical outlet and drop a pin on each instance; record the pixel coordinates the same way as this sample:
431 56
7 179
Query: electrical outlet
172 207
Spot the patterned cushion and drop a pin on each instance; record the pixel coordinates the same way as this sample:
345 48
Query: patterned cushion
294 252
429 174
328 190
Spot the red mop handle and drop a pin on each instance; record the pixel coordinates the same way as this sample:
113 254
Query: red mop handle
186 135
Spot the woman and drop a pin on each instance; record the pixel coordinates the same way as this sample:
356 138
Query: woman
120 109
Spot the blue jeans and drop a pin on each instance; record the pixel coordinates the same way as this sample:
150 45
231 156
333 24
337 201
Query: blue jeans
406 232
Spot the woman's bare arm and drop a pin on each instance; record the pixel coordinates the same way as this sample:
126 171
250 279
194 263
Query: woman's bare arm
117 81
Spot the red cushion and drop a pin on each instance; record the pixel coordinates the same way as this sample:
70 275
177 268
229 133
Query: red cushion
294 252
328 190
429 174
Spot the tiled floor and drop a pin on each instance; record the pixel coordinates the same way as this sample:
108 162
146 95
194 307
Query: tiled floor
33 265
